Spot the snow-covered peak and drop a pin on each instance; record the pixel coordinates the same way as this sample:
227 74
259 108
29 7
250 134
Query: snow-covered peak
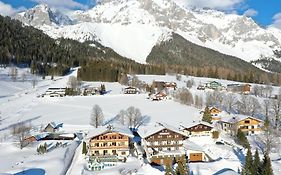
42 14
133 27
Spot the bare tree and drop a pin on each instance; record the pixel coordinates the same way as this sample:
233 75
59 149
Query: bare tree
268 91
268 140
178 77
122 117
254 106
184 96
96 116
248 105
198 101
135 82
23 77
276 106
266 110
189 84
230 102
13 73
73 82
135 118
124 79
214 98
20 131
34 82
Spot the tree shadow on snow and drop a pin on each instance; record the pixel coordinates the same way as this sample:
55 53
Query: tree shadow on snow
33 171
223 171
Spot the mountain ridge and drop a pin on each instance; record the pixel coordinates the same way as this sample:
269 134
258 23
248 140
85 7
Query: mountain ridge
133 27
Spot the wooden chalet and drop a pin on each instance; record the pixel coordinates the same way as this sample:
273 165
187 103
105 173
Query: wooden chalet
215 114
250 125
162 143
131 90
239 88
53 127
198 129
159 96
110 142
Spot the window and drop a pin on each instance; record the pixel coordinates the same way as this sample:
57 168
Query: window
104 152
96 144
105 144
114 152
97 152
253 127
123 153
247 121
113 143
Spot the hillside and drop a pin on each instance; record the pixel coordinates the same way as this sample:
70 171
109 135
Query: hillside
179 51
24 44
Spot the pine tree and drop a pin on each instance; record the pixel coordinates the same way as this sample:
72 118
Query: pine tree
168 169
257 163
248 166
242 139
182 168
84 149
267 169
207 117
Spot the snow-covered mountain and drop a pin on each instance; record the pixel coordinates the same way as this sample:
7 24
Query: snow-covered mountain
42 15
133 27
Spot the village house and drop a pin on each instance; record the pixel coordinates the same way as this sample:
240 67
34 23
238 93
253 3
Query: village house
53 127
131 90
198 129
214 85
55 92
110 142
158 85
162 143
195 152
239 88
159 96
170 85
250 125
215 112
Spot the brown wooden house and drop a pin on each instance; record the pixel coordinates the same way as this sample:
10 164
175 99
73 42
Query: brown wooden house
110 141
162 143
198 129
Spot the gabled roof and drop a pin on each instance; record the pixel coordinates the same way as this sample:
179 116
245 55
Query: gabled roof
147 131
106 129
250 117
232 118
197 123
55 126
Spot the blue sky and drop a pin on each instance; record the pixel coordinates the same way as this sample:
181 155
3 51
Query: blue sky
264 12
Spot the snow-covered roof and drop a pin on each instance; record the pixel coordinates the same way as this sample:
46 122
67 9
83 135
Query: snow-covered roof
232 118
147 131
192 146
55 126
105 129
194 123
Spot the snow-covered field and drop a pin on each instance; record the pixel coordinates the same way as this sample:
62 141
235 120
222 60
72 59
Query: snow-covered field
19 102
